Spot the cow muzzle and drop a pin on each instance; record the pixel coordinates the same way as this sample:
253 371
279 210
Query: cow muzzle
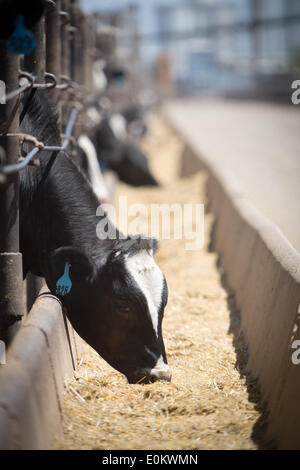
160 373
146 376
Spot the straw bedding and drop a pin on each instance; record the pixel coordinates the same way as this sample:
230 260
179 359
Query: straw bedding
206 406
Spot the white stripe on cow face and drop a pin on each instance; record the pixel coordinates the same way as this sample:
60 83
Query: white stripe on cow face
94 171
117 123
150 280
161 365
161 370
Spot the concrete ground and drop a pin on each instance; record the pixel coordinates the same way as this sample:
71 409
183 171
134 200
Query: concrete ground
258 142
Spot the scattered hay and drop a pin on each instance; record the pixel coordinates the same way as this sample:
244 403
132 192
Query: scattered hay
206 405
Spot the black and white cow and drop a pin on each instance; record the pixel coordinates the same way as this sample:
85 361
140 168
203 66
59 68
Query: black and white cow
120 155
92 168
118 294
110 133
135 121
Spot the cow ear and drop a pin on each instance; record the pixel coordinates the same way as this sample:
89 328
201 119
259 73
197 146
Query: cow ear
81 265
154 244
114 257
148 243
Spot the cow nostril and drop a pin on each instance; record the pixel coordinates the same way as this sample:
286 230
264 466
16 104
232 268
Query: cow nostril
148 376
161 375
152 378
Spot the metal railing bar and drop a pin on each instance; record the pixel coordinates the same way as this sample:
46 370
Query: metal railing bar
50 4
27 86
66 17
64 86
31 84
14 168
15 93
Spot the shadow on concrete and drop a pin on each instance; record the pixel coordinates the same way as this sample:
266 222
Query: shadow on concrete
241 351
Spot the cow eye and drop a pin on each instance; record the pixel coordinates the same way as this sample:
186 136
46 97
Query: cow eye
123 313
122 308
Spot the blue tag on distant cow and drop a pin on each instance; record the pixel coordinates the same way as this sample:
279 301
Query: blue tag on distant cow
103 164
119 81
64 283
22 41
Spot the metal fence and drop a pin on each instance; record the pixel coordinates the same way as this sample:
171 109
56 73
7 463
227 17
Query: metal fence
61 65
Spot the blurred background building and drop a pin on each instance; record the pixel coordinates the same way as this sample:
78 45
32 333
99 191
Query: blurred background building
232 47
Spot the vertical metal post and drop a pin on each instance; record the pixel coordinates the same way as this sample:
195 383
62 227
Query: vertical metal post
53 45
35 63
65 38
83 59
91 47
11 278
78 53
78 43
74 39
65 54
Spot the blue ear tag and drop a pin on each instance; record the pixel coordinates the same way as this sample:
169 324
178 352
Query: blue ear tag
64 283
22 41
103 164
119 81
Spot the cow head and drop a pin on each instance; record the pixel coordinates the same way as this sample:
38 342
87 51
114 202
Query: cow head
116 304
124 158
